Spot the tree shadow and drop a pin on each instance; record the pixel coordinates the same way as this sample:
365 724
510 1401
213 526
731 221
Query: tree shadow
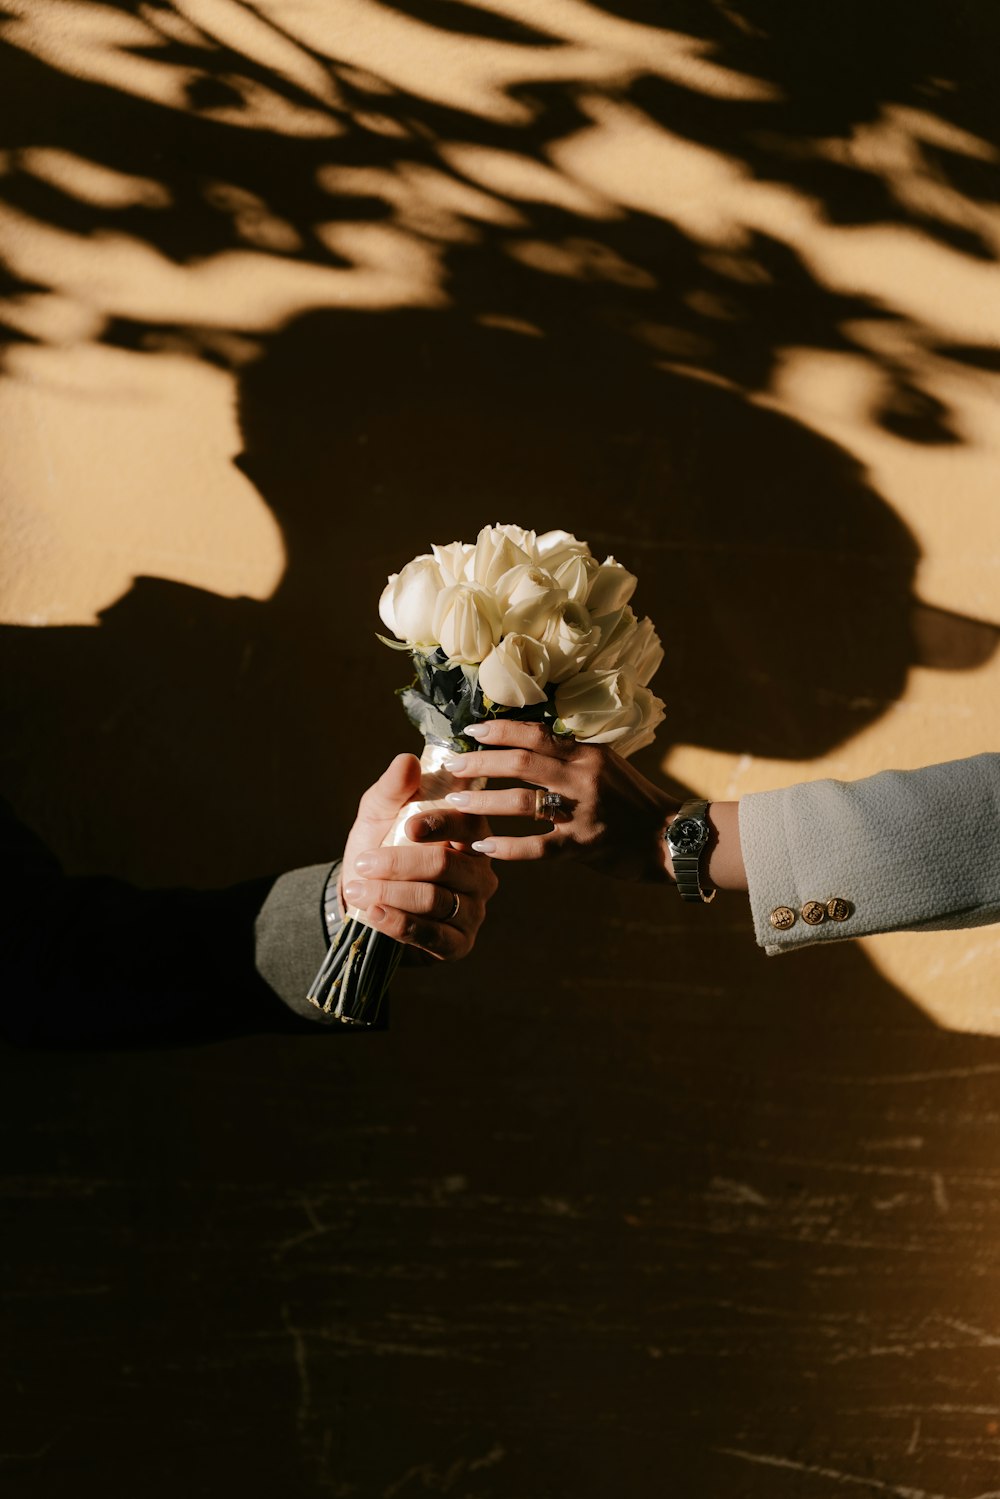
231 155
637 1168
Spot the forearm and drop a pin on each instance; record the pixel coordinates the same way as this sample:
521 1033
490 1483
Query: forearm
827 860
901 850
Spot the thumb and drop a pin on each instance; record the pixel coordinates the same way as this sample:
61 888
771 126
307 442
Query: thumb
397 785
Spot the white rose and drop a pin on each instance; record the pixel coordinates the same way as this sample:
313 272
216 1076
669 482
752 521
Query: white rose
387 613
495 554
528 596
515 672
453 560
553 547
616 630
610 587
573 571
526 540
626 641
600 707
466 622
570 637
645 654
650 715
408 601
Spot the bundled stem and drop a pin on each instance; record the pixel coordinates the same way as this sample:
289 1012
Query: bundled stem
356 974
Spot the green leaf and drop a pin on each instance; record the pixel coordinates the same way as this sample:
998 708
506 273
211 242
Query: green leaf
424 716
394 645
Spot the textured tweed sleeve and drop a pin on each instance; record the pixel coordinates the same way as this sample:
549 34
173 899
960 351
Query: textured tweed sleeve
913 850
292 934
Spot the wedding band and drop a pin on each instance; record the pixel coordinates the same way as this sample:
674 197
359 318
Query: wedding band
547 803
454 910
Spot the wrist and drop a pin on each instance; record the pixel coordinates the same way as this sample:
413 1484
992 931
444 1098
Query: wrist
722 859
724 856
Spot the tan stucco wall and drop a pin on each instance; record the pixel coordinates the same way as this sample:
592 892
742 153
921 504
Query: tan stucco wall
302 233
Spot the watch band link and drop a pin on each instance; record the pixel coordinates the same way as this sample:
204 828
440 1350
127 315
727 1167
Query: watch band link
687 873
687 867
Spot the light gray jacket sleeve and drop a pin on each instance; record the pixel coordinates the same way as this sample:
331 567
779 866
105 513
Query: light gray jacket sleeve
914 850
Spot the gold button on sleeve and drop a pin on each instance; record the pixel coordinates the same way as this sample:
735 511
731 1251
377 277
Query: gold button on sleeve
781 918
814 912
838 909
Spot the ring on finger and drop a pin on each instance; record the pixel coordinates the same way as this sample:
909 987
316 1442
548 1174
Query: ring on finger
549 805
455 908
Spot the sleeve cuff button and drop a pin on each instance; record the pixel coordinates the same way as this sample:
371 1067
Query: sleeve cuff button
781 918
838 909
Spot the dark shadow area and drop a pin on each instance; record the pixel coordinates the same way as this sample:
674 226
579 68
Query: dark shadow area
619 1205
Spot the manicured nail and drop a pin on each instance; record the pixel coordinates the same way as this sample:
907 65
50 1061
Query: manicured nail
455 762
354 890
485 846
477 731
364 862
458 798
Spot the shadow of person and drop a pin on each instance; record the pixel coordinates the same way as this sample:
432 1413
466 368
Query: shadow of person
640 1065
643 1065
781 582
766 1131
192 738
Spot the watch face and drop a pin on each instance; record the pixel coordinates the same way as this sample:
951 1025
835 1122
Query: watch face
687 835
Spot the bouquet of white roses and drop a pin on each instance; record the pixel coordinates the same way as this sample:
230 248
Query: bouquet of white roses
513 626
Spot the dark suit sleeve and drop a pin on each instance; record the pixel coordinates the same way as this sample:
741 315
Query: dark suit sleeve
291 938
97 961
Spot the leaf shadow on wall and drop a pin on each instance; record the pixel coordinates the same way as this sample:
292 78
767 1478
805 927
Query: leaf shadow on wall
605 1066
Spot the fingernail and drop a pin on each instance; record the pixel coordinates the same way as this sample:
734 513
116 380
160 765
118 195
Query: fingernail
364 862
454 762
458 798
353 890
477 731
485 846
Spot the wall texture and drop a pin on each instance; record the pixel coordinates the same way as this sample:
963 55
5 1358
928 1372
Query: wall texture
787 235
291 290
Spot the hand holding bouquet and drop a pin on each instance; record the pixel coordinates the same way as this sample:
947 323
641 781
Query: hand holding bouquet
513 626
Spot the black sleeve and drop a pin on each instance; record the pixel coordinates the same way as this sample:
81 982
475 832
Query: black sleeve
97 961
